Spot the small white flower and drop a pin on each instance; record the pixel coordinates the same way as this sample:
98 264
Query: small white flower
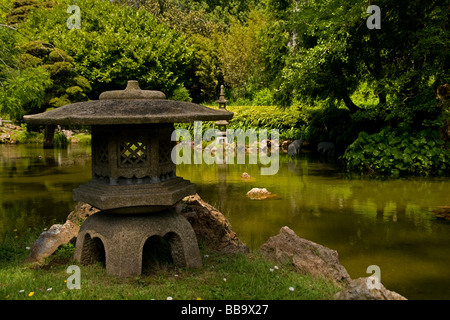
225 279
28 248
169 298
271 270
275 267
21 291
49 289
291 289
206 256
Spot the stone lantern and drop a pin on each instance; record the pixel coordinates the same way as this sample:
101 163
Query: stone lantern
134 182
222 124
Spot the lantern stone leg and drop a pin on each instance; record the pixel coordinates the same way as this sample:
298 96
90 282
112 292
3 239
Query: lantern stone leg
120 240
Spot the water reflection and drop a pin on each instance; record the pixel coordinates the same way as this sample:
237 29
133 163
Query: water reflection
36 184
369 222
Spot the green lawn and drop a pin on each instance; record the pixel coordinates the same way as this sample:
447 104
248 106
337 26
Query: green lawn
223 277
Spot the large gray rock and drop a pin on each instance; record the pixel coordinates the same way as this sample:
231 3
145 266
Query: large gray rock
359 289
295 147
50 240
307 256
314 259
326 149
210 225
81 212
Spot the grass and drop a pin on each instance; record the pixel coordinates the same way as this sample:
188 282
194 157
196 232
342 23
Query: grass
222 277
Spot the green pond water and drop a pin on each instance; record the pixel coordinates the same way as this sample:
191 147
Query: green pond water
387 223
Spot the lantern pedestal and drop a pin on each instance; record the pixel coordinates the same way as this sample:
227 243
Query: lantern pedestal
119 240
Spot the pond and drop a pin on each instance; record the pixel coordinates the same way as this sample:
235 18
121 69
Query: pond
387 223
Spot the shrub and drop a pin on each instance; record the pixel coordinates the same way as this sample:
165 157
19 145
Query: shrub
396 152
61 140
289 122
263 97
181 94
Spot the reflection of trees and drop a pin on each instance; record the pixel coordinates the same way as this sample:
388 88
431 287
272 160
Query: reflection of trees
34 212
319 203
28 160
36 185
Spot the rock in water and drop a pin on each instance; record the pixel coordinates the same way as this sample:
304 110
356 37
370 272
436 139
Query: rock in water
308 257
295 147
442 212
260 194
245 175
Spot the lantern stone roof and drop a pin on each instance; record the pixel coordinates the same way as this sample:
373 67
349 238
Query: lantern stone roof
129 106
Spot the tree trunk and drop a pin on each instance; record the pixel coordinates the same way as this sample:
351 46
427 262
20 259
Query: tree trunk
377 69
342 92
49 137
382 98
349 103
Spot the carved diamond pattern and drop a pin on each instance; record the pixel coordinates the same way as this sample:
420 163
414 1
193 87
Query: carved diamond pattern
165 151
101 153
133 153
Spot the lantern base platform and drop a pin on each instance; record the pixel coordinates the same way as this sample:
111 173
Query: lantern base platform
134 198
119 240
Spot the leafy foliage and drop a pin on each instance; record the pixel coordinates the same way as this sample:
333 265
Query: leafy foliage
21 8
67 86
289 122
395 152
317 59
116 43
239 56
332 52
181 94
23 91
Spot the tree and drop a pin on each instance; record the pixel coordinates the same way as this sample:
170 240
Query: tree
39 76
67 85
239 52
403 62
21 9
22 89
193 21
116 43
